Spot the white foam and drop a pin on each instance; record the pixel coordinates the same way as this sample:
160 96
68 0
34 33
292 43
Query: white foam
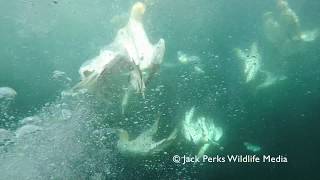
5 135
27 129
7 93
30 120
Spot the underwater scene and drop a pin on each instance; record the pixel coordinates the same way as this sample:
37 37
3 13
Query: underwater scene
159 89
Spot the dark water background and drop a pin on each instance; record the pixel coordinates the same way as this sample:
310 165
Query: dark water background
38 37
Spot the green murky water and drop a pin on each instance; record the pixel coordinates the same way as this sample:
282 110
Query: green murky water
43 44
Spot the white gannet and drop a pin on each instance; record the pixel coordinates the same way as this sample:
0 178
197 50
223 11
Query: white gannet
200 131
251 60
289 20
143 145
285 28
291 24
130 56
136 42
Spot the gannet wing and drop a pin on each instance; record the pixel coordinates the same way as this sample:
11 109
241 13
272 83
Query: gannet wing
150 68
203 149
189 116
164 143
136 79
108 84
308 36
154 128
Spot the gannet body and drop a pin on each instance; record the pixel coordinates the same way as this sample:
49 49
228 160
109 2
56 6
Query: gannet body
251 60
285 29
130 56
200 131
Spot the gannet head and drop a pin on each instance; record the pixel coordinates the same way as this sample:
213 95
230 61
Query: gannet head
137 11
282 4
